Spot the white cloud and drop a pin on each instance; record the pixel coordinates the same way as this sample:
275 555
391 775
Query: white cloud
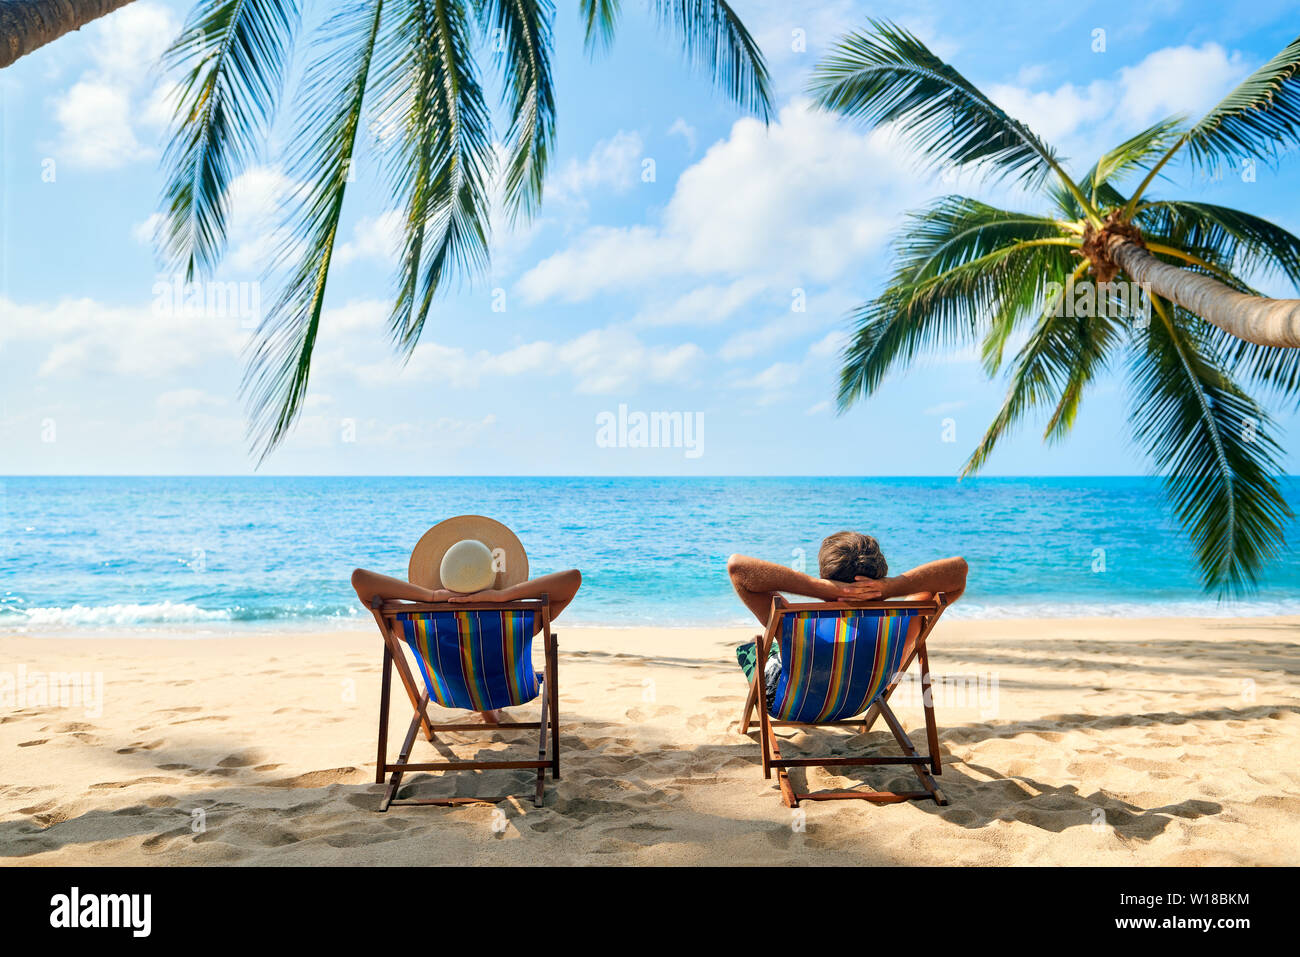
95 122
81 336
613 163
143 232
1084 120
801 200
1182 79
599 361
704 305
777 382
1057 114
374 237
98 117
687 132
831 344
256 232
756 339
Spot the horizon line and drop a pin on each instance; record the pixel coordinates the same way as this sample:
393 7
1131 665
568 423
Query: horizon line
495 475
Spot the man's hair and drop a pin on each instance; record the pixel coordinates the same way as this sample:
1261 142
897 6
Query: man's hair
845 555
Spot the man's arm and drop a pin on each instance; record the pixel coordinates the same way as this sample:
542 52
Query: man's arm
947 575
757 581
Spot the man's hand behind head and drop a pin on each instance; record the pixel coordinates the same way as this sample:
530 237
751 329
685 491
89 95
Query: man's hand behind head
865 589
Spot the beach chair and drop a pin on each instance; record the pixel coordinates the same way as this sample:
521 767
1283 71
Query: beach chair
839 660
476 656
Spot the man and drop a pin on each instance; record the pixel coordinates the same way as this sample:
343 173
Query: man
852 568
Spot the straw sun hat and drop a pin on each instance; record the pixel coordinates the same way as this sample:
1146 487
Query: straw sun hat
466 554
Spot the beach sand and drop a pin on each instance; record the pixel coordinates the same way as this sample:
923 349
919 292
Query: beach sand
1064 742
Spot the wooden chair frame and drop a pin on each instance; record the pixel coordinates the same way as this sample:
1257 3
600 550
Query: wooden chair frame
923 764
385 612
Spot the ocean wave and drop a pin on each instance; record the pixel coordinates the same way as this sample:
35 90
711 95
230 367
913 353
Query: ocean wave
93 616
1173 608
1185 608
79 616
148 617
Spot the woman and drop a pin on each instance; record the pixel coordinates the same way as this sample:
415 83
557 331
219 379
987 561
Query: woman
470 559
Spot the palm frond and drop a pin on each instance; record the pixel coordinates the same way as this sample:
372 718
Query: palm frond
958 263
1063 355
1212 446
524 30
1259 118
716 41
440 160
334 88
1103 196
232 55
1137 152
887 75
1237 242
1271 368
601 19
1240 242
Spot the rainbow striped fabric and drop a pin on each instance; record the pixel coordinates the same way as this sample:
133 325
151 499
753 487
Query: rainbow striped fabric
835 663
476 660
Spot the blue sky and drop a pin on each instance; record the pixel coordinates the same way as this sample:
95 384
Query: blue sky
671 292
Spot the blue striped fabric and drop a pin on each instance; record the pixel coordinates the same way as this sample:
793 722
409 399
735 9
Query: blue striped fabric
836 663
476 660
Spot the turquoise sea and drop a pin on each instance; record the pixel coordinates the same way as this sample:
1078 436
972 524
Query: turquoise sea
208 555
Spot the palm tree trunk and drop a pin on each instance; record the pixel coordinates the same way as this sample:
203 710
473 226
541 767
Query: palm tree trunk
1267 322
27 25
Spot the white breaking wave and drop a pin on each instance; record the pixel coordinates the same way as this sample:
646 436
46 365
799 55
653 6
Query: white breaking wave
1193 608
164 612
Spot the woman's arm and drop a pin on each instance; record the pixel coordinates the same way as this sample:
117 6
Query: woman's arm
559 587
372 585
757 582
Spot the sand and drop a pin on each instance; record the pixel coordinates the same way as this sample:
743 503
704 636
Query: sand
1065 742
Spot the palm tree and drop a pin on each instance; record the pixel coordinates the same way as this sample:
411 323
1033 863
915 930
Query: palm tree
968 272
406 70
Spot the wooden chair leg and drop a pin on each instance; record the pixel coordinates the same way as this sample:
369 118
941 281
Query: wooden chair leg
768 737
385 688
541 750
748 714
553 682
927 700
396 780
904 742
788 793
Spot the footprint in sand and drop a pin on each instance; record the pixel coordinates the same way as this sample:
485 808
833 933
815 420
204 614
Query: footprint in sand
118 785
320 779
37 808
32 744
239 760
141 746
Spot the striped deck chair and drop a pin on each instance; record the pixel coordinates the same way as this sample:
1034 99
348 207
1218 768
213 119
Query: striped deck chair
472 656
839 660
